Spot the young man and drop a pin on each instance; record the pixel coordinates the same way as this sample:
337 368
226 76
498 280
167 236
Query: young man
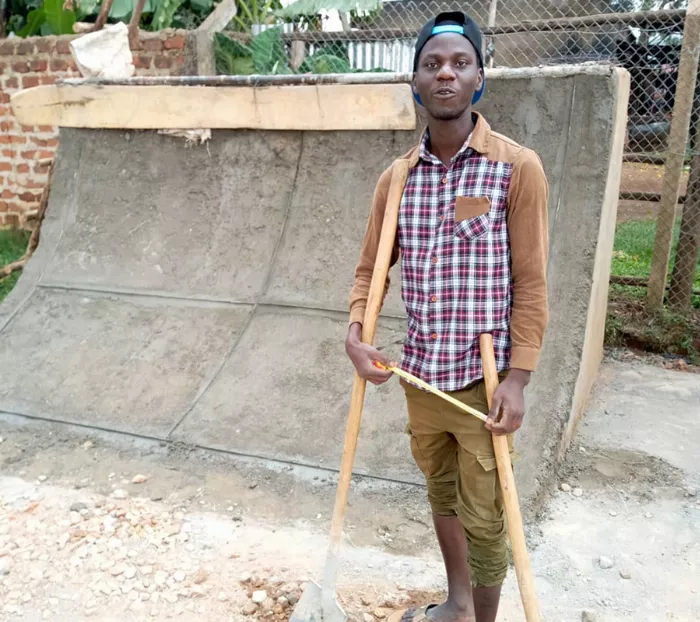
473 242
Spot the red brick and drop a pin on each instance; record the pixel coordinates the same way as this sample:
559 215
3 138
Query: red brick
47 79
62 47
163 62
4 98
27 129
45 45
8 153
13 206
58 64
6 126
4 110
29 155
18 140
7 47
175 43
46 154
39 65
5 166
3 206
12 83
29 197
3 66
23 168
30 81
152 45
25 48
11 220
41 142
22 67
46 128
142 62
8 194
33 185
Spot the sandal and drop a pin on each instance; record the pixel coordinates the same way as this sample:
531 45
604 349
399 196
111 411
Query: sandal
417 614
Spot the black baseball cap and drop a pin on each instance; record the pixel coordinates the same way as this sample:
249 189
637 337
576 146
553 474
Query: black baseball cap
452 21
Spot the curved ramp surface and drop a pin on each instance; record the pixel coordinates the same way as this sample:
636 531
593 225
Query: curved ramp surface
199 293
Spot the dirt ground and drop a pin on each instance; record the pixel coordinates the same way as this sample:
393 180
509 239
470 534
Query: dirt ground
104 527
642 178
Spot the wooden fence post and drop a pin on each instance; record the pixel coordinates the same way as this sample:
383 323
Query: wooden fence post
202 40
678 139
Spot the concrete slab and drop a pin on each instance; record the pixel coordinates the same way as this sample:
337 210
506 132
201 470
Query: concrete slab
155 216
284 394
646 409
127 363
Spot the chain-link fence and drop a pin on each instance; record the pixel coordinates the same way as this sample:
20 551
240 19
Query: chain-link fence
656 253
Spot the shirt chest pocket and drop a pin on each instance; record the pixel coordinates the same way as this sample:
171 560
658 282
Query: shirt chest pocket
472 217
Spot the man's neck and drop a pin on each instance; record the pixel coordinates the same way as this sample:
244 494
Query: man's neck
447 137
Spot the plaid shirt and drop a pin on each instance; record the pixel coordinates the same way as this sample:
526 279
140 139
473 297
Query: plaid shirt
455 266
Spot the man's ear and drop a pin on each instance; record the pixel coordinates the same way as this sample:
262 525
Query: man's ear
413 85
480 81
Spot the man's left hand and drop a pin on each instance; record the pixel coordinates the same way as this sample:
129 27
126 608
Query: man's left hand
508 404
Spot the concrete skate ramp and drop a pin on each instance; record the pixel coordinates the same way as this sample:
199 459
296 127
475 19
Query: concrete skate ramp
199 293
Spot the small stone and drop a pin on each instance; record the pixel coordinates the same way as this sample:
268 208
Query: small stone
4 566
129 572
26 598
249 608
197 591
691 492
139 479
259 596
42 478
201 576
127 587
648 515
155 597
179 576
282 600
120 494
578 492
53 602
380 613
154 611
115 571
365 601
293 598
605 562
625 574
367 617
78 506
2 440
589 616
146 570
171 597
88 445
565 488
613 513
161 577
223 597
246 577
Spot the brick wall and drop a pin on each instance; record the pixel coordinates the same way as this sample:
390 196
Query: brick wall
24 150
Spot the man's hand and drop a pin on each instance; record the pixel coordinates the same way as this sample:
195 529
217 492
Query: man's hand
508 402
363 357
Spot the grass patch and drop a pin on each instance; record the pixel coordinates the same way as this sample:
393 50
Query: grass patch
13 244
634 246
629 324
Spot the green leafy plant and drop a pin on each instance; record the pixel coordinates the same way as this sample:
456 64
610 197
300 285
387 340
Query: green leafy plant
254 12
49 19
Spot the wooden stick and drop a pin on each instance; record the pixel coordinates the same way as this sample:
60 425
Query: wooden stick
677 141
424 385
510 494
375 299
134 24
103 15
36 232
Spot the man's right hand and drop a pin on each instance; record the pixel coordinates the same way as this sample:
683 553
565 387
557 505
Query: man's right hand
363 357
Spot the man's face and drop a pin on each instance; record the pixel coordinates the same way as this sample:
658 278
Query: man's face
447 76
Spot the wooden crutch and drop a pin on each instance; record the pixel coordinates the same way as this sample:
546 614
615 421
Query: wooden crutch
510 494
319 603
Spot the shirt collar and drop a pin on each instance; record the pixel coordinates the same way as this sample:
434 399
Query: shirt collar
477 140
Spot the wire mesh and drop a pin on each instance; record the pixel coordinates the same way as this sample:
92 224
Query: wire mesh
656 252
